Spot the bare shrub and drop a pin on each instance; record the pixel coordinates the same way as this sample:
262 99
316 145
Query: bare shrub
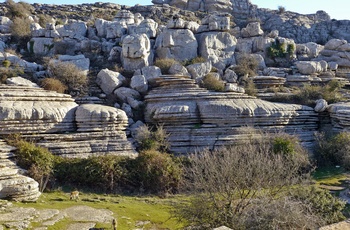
230 183
210 82
69 74
281 9
20 28
165 64
247 65
20 9
195 60
53 84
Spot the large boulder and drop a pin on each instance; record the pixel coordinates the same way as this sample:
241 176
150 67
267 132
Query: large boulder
147 26
139 83
253 29
135 51
41 46
199 70
109 80
217 47
311 67
179 44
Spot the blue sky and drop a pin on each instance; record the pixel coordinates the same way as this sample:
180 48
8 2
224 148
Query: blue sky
338 9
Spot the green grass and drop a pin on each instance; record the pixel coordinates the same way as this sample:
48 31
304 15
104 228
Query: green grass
332 176
127 210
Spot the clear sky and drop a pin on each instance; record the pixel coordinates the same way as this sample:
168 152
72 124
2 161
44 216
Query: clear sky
338 9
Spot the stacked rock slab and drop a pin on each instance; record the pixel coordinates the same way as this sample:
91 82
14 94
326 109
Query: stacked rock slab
14 185
340 116
196 118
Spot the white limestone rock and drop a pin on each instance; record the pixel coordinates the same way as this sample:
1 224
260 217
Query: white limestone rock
93 117
147 26
230 87
116 30
199 70
217 47
109 80
135 51
80 61
101 27
124 93
321 105
41 46
178 44
20 81
311 67
253 29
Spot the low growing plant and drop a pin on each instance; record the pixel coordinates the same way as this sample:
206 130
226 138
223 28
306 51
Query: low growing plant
210 82
164 64
53 85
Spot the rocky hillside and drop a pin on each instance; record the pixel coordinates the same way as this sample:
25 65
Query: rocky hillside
120 67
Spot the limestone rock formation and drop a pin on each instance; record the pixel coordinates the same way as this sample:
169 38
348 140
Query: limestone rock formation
135 51
339 113
196 118
14 185
33 110
179 44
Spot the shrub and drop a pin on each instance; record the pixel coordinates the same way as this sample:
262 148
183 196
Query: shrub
6 63
247 65
9 73
230 184
281 9
44 19
333 150
250 88
20 29
103 173
152 140
165 64
156 172
20 9
321 202
308 94
212 83
37 160
69 74
282 50
195 60
53 84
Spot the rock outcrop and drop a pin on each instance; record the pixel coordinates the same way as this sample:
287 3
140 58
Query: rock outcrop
14 185
196 118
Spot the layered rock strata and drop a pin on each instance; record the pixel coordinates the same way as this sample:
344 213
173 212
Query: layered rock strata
196 118
14 185
340 116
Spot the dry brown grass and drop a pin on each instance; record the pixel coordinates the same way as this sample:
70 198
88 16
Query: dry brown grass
53 85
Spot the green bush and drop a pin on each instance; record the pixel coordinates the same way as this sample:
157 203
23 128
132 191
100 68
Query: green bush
321 202
156 172
333 150
53 84
37 160
103 173
6 63
210 82
165 64
282 50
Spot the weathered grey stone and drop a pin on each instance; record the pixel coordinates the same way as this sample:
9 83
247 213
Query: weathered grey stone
176 23
147 26
28 67
230 76
151 72
127 109
124 16
178 69
230 87
116 30
135 51
179 44
139 83
79 60
101 27
109 80
124 93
